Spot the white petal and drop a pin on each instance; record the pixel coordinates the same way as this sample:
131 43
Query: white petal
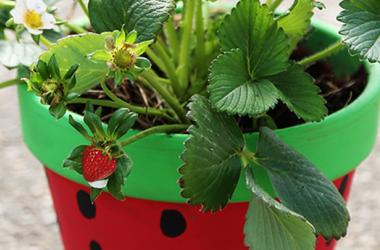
48 21
18 16
37 5
20 5
99 184
33 31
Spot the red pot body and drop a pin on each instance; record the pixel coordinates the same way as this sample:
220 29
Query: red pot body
137 224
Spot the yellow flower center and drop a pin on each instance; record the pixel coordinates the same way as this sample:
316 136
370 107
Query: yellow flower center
124 57
33 19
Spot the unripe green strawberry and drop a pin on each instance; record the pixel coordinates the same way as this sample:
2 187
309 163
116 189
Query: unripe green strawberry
97 166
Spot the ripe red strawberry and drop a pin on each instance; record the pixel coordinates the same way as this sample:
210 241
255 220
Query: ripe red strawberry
95 165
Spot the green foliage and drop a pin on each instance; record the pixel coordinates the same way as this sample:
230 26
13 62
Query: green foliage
233 90
272 226
74 50
296 22
361 27
299 92
144 16
254 70
251 27
301 187
212 164
46 81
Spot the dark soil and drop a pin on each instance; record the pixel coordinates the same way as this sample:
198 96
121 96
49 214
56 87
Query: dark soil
338 92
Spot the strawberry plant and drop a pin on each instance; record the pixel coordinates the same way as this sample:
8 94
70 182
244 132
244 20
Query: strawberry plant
208 71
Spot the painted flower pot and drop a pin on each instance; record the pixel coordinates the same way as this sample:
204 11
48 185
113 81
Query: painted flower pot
154 216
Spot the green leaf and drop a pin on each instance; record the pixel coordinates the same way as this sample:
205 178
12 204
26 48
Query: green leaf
121 121
42 68
79 128
361 27
124 165
299 92
297 21
301 187
100 55
54 68
211 159
70 73
116 181
144 16
74 160
251 27
233 90
94 123
58 111
272 226
75 50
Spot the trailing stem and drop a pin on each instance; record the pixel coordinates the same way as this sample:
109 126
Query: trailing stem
6 4
322 54
84 7
72 27
154 130
46 42
149 79
121 103
10 83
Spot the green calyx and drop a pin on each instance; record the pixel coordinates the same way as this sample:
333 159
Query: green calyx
46 81
123 55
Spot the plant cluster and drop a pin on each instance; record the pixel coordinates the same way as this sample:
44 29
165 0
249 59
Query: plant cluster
207 68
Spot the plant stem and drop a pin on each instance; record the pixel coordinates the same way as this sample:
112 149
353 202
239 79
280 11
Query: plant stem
149 79
72 27
10 83
156 60
7 4
46 42
154 130
200 33
103 103
171 34
185 47
84 7
138 109
322 54
169 65
275 4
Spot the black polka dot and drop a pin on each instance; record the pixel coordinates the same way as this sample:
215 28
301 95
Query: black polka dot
343 186
173 224
86 208
95 245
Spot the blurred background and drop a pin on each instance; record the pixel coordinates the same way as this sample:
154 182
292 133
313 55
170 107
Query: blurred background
27 219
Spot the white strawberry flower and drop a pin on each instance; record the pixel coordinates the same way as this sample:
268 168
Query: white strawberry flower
33 15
